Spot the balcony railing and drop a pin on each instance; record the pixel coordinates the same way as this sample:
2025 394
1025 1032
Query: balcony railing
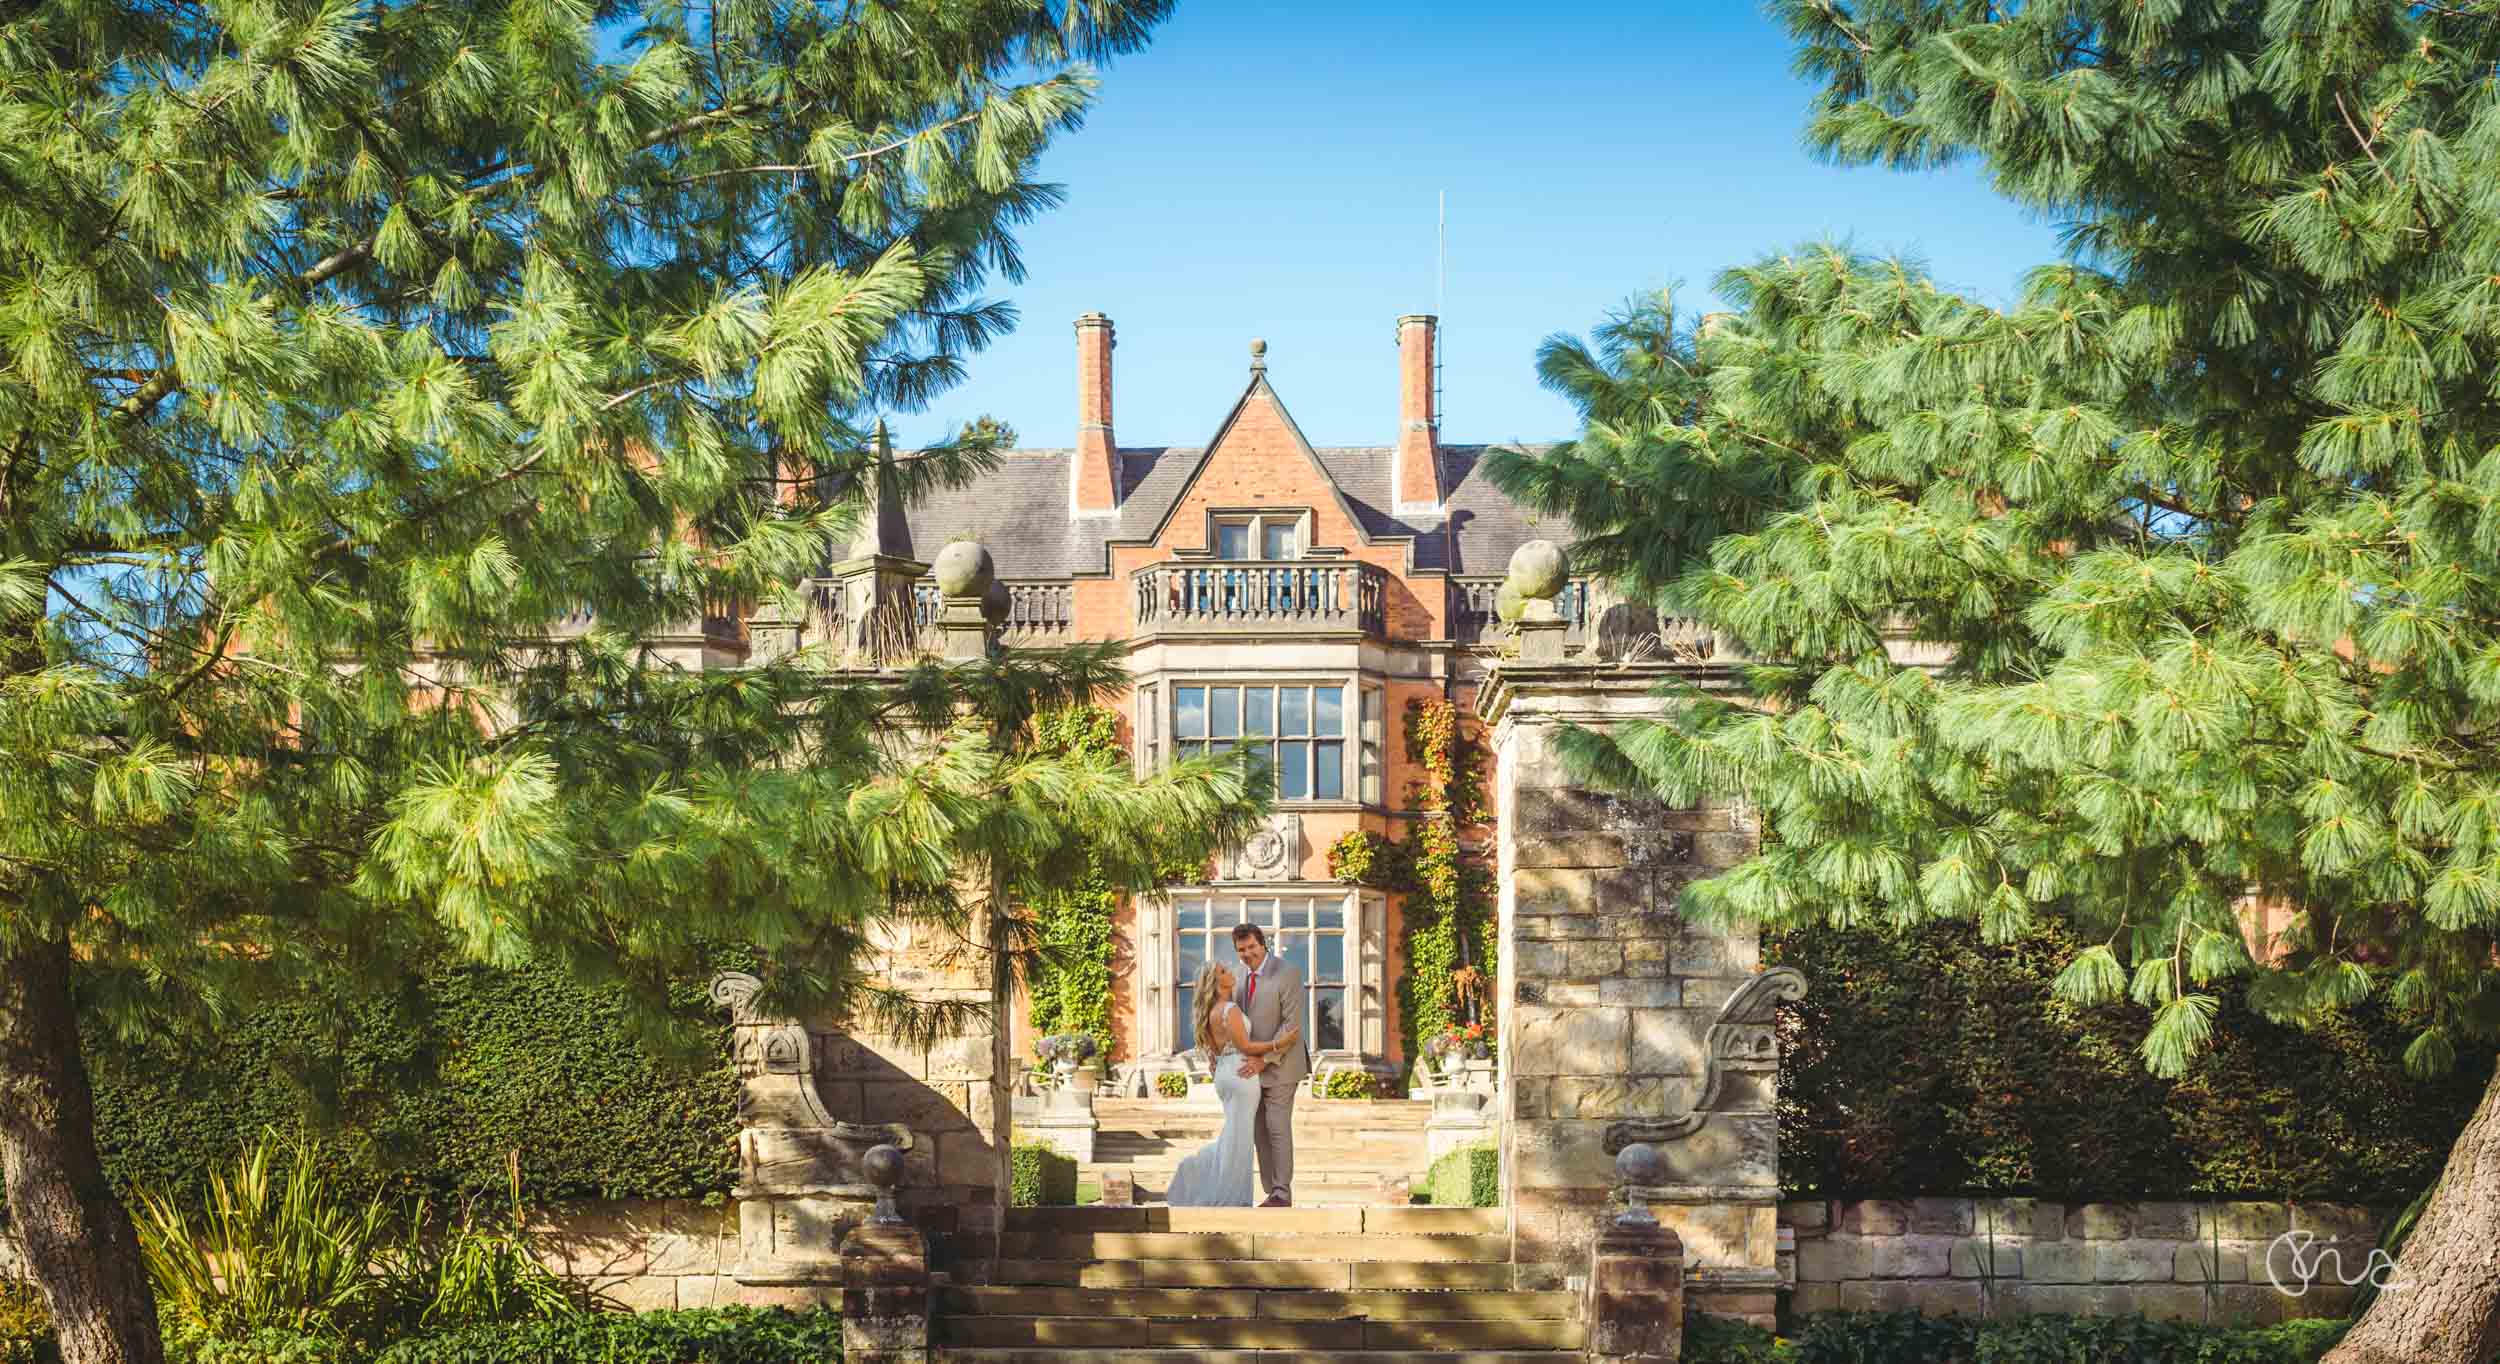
1473 619
1037 612
1220 598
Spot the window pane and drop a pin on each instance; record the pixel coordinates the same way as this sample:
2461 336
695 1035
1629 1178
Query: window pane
1225 711
1184 1025
1329 702
1297 914
1293 710
1192 955
1328 770
1258 710
1371 712
1276 539
1328 1020
1190 718
1262 913
1328 959
1232 540
1293 771
1331 914
1296 948
1190 913
1191 748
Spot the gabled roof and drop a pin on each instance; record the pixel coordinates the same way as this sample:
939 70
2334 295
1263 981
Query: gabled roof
1020 509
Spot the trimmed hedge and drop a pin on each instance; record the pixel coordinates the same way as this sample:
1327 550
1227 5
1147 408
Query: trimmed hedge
1897 1337
1469 1177
1038 1176
429 1091
727 1335
1350 1084
1931 1064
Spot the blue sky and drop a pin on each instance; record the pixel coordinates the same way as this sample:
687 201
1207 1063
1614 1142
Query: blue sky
1270 170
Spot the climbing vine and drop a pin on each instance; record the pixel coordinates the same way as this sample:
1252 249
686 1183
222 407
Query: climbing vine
1449 907
1068 984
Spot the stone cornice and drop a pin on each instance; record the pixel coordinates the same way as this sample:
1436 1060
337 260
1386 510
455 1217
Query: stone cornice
1591 692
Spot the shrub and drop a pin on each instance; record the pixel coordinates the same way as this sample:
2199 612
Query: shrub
25 1328
1038 1176
1934 1064
1469 1177
433 1090
1171 1084
1895 1337
730 1335
1349 1084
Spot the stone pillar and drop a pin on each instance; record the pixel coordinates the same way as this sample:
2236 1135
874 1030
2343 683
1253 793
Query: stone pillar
1460 1117
1633 1306
971 603
885 1278
1621 1022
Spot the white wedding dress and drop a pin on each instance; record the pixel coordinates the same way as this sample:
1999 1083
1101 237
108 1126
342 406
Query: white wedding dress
1218 1174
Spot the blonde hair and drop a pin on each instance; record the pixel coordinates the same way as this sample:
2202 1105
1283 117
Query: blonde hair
1203 1006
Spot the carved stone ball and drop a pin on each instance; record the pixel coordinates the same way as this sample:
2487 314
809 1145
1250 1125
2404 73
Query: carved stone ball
883 1165
964 569
1508 605
1538 569
1639 1166
996 603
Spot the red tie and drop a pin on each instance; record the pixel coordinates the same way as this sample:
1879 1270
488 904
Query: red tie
1250 996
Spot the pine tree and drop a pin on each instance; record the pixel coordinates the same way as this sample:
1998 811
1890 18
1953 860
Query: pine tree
374 379
2167 591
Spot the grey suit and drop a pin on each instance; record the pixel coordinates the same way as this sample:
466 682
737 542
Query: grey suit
1275 1005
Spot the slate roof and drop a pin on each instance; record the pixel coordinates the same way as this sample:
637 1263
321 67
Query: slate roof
1020 511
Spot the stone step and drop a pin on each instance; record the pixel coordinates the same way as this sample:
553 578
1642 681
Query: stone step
1246 1304
1345 1221
1368 1247
1097 1355
1323 1276
1256 1334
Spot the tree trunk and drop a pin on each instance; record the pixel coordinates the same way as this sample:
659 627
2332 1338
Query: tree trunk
2442 1306
78 1237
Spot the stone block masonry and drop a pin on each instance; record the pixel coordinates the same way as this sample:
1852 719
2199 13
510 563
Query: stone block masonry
1621 1022
2186 1261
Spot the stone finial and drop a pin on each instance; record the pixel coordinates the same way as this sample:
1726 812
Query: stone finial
884 1167
1637 1167
1508 604
964 569
1258 355
1538 569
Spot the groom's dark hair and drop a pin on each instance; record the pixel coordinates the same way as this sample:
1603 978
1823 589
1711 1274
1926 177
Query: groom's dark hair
1250 931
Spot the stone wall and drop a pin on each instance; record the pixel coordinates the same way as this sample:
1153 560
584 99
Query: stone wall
2006 1256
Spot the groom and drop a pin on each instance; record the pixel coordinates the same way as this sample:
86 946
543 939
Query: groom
1270 996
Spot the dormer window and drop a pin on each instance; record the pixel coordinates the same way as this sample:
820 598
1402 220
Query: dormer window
1267 536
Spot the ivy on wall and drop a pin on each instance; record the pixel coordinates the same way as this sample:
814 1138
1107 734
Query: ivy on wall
1449 940
1068 985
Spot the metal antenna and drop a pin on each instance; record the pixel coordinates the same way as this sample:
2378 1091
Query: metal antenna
1440 301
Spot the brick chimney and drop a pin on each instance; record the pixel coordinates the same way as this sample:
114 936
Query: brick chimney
1094 476
1415 469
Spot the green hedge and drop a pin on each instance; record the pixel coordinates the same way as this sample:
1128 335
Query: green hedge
1931 1064
1038 1176
428 1092
729 1335
1899 1337
1469 1177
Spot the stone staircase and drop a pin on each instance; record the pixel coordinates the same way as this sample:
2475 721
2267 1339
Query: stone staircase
1146 1285
1342 1147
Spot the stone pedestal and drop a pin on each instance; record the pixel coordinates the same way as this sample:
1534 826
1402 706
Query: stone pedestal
1634 1303
1460 1117
885 1296
1621 1022
1064 1121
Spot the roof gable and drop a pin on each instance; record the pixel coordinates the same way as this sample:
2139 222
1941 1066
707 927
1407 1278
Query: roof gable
1258 420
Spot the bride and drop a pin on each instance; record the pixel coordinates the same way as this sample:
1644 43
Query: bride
1218 1174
